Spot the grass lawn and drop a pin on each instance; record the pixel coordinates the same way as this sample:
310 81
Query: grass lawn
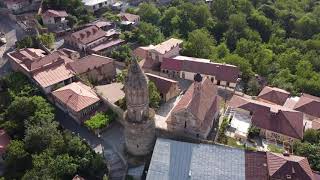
232 142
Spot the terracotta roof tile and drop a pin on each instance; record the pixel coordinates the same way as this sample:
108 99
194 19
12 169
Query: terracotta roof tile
308 104
202 105
89 34
224 72
163 84
271 117
76 96
91 62
280 166
274 95
256 165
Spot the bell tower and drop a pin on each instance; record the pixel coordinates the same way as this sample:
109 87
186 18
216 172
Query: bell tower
139 118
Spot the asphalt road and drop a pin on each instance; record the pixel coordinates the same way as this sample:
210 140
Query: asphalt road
12 32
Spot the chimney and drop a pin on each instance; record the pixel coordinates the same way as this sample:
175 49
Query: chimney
197 83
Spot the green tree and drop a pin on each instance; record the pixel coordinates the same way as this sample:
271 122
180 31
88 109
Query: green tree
222 9
262 24
149 13
47 39
312 136
253 87
154 95
147 34
200 44
16 159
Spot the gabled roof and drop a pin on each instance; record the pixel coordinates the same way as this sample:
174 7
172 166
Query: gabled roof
165 46
55 13
271 117
274 95
224 72
90 62
76 96
163 84
202 104
280 166
88 34
308 104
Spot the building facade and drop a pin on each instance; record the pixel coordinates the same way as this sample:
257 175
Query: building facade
139 118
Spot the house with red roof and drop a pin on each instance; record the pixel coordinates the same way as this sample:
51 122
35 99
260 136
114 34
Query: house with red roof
277 123
94 67
167 88
153 55
274 95
309 105
93 39
197 110
186 67
48 71
55 20
78 100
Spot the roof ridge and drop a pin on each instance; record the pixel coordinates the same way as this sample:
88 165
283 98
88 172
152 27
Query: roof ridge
288 119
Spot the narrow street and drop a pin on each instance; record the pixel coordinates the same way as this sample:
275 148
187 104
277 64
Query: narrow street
12 32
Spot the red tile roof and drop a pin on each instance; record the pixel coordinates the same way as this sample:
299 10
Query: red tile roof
256 166
224 72
88 35
281 166
271 117
162 84
76 96
54 13
308 104
203 104
106 45
4 141
91 62
274 95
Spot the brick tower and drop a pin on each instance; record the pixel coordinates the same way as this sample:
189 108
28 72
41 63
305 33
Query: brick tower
139 118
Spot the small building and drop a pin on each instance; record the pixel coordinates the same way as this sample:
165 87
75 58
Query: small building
47 71
104 25
54 17
186 67
168 88
96 68
78 100
197 110
287 166
277 123
274 95
309 105
129 19
95 5
94 40
154 55
55 21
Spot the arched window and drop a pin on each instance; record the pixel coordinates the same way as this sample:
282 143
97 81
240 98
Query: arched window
185 124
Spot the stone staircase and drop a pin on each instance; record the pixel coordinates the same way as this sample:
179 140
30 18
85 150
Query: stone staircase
116 165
